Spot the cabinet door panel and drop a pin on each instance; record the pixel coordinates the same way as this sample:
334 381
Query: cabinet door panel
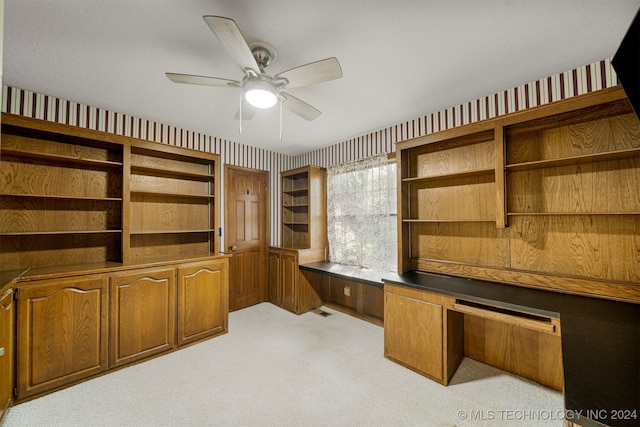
202 300
62 333
413 334
289 271
6 344
142 314
275 295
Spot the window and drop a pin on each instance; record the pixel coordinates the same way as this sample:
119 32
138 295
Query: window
362 214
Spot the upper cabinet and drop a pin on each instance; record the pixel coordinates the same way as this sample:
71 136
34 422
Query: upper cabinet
547 197
304 214
71 196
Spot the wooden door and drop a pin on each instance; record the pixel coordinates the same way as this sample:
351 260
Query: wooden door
62 332
246 235
202 300
143 314
6 350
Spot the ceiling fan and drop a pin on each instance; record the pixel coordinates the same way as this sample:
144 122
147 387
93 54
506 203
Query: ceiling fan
259 89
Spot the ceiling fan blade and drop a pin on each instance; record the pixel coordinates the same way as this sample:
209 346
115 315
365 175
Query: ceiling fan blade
312 73
299 107
233 41
201 80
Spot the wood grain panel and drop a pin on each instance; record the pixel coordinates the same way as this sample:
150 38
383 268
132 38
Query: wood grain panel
18 252
531 354
143 314
19 214
168 185
597 187
150 213
373 304
460 199
463 154
7 342
202 300
413 334
57 147
590 137
151 159
591 246
338 293
476 243
31 176
621 291
62 333
154 245
289 279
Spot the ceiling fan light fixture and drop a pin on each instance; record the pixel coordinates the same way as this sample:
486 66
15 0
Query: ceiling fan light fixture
260 94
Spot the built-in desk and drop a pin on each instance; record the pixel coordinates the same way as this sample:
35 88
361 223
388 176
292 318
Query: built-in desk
600 341
353 290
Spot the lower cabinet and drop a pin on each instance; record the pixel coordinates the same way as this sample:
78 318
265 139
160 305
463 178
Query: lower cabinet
421 334
203 299
288 287
72 328
62 332
143 316
413 334
283 278
6 350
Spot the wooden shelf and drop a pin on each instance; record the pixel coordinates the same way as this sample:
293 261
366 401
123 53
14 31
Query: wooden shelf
569 213
418 221
464 174
149 232
575 160
295 223
56 197
39 233
62 160
179 195
303 205
144 170
297 191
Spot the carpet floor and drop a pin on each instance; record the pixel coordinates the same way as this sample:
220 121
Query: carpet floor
274 368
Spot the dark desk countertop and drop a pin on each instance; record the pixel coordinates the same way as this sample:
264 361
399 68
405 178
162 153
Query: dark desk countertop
349 272
600 339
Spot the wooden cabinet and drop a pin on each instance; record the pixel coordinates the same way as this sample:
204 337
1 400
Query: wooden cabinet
143 318
415 333
71 196
546 198
304 213
7 368
304 239
288 287
61 198
172 207
62 332
202 300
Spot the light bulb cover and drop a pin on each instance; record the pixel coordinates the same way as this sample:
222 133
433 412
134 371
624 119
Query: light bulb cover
260 94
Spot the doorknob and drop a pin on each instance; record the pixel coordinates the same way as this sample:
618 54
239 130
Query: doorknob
233 248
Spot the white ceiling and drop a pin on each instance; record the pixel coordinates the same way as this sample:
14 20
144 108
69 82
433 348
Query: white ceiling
400 59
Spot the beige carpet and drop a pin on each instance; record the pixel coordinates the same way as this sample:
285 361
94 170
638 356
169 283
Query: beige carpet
277 369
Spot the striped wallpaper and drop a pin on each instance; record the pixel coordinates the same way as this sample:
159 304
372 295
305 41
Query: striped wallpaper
582 80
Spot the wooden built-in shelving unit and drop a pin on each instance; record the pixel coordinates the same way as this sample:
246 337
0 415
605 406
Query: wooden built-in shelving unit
548 198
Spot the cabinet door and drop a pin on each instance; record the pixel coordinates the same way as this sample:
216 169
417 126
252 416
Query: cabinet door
6 350
143 314
413 334
289 278
62 332
275 282
203 300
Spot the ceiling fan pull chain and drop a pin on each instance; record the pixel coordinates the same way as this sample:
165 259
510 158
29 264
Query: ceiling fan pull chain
280 118
240 114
